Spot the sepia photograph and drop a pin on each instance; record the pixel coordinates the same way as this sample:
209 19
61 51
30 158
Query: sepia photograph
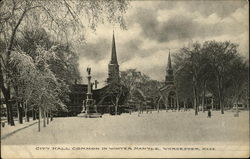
124 79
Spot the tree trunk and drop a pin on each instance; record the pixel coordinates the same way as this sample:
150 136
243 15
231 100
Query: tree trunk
177 102
51 116
185 106
26 112
237 109
116 106
20 112
39 118
198 100
7 112
195 98
158 105
248 103
27 117
33 114
212 103
6 94
44 118
47 115
142 106
18 106
195 105
221 99
115 109
219 85
203 96
11 116
166 103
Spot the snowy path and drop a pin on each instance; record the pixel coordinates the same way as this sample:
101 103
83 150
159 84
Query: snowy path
160 128
8 130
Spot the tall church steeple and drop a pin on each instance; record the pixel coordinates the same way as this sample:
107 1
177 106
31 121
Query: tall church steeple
169 79
169 61
113 68
113 53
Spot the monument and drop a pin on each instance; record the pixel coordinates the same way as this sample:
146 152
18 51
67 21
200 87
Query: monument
89 107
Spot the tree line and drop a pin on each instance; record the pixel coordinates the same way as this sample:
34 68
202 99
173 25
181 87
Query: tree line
214 67
135 90
210 68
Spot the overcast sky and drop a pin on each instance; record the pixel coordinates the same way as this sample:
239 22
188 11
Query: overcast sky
154 27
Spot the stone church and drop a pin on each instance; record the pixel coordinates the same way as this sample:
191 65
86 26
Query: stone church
168 92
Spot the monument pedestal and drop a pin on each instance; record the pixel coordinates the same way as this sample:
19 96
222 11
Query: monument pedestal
91 110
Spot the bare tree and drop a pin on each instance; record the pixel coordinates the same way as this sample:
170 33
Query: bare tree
221 54
114 92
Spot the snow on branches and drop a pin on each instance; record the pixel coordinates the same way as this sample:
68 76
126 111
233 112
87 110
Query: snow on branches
34 80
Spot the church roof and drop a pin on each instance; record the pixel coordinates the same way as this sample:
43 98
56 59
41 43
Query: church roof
78 88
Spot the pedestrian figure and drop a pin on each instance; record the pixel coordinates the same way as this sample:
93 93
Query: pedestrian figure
209 113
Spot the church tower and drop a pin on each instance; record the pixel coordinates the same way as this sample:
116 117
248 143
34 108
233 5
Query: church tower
169 79
113 67
168 91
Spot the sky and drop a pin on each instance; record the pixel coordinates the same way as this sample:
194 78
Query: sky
154 27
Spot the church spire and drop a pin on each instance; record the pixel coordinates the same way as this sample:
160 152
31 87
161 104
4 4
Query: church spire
169 61
113 53
113 68
169 79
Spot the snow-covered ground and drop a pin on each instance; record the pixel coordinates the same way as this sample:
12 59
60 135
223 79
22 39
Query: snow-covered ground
8 130
156 128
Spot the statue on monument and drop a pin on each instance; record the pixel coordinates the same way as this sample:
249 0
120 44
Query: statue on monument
88 70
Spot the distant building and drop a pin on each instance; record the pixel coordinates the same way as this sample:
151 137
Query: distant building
76 97
168 91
